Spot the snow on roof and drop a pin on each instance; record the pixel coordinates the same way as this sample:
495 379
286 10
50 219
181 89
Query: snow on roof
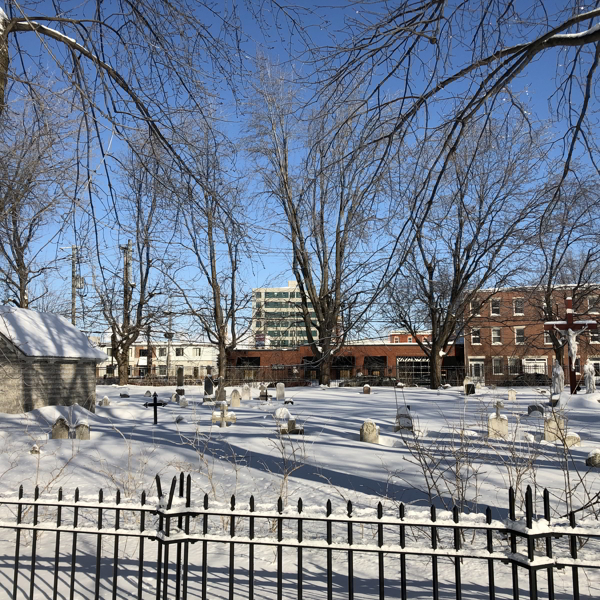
45 334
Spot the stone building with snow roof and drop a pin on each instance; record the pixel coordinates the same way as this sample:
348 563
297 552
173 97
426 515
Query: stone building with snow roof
44 361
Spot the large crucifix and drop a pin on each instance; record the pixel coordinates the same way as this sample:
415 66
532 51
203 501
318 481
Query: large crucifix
571 329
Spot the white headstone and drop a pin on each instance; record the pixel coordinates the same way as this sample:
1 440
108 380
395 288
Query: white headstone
498 424
572 439
280 391
554 427
512 395
235 398
105 401
183 403
369 432
246 392
148 394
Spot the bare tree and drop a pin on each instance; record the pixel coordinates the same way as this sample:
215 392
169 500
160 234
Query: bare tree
331 200
35 190
212 242
126 292
473 236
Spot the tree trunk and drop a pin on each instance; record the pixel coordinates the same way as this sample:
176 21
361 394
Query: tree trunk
222 364
435 364
123 364
325 371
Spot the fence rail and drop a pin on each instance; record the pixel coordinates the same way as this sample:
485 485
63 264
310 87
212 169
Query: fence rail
169 526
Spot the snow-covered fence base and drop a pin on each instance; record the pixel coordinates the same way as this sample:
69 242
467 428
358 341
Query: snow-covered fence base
178 542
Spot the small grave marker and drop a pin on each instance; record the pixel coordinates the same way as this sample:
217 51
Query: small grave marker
246 392
155 405
223 416
554 427
366 389
82 430
369 432
498 424
60 429
280 391
235 398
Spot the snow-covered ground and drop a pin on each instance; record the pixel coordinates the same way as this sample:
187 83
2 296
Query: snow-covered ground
127 450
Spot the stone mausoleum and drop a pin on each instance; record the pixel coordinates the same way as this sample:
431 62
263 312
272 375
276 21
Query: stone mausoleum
44 360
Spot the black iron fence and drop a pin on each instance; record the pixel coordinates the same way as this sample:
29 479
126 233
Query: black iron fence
185 547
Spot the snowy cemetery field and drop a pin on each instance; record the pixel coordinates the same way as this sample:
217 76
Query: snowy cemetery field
448 460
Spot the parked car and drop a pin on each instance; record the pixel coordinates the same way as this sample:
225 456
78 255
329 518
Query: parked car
529 380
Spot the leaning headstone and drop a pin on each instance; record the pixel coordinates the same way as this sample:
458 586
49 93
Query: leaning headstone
60 429
512 395
280 391
82 430
208 386
404 419
535 407
554 427
148 394
236 398
593 459
498 424
246 392
369 432
366 389
105 401
183 403
220 395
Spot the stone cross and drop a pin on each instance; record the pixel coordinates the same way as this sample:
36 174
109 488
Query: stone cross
571 330
224 417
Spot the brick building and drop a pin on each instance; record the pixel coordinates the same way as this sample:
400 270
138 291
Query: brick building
44 360
505 337
371 358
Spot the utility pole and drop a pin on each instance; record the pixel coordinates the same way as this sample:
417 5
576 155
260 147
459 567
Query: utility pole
149 358
73 283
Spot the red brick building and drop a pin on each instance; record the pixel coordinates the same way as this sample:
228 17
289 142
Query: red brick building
506 337
372 358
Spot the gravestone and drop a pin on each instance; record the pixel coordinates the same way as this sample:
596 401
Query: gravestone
512 395
123 395
235 398
572 439
183 402
35 449
82 430
223 416
593 459
366 389
554 427
148 394
175 397
105 401
246 392
280 393
369 432
498 424
60 429
220 395
262 393
208 386
404 419
180 377
288 402
535 407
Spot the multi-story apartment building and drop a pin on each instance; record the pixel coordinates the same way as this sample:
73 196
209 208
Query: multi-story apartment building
505 336
193 358
277 317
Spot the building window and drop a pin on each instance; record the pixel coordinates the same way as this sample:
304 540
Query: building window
513 366
258 294
519 335
197 351
257 324
143 351
577 365
593 304
409 339
178 351
519 306
497 366
162 370
162 351
594 336
547 337
396 339
475 336
109 352
495 309
196 371
475 308
496 335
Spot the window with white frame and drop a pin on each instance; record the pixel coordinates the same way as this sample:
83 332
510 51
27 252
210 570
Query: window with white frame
594 336
409 339
495 307
519 306
162 352
513 366
162 370
519 335
197 351
547 337
475 308
497 365
396 339
594 304
577 365
475 336
178 351
496 335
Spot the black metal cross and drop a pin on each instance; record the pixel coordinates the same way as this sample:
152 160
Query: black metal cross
155 405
